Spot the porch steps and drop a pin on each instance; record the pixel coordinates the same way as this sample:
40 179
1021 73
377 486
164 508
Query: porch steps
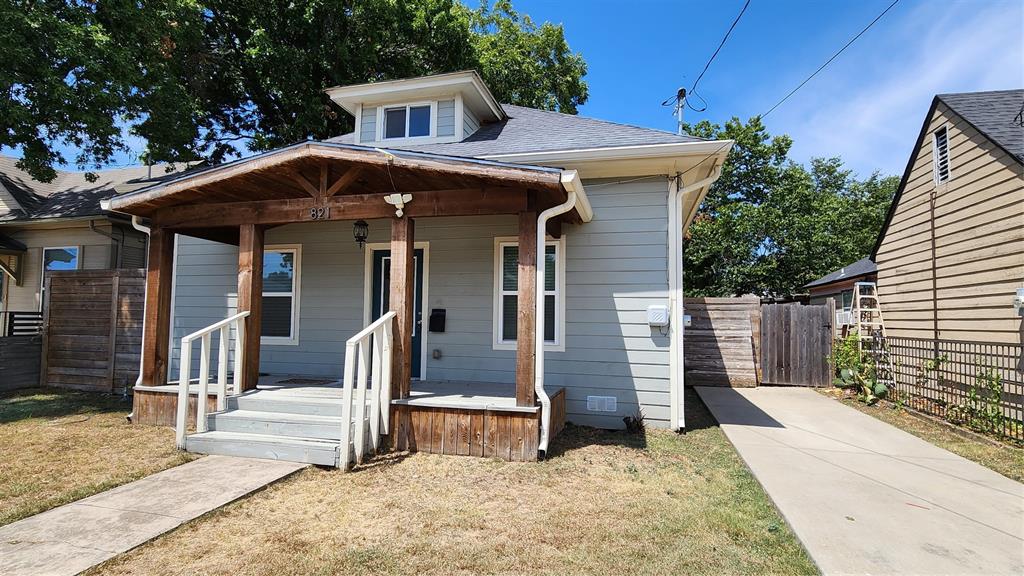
275 426
293 449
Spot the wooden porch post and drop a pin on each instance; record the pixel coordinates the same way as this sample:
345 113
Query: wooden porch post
402 277
250 297
156 338
526 320
403 274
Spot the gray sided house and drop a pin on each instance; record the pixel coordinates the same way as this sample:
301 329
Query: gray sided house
425 223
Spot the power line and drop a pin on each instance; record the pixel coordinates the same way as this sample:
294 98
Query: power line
722 43
829 61
681 94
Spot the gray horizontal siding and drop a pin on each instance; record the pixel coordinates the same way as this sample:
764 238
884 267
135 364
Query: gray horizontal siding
368 124
470 123
616 267
446 118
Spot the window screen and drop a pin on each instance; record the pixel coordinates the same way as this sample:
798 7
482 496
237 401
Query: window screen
509 297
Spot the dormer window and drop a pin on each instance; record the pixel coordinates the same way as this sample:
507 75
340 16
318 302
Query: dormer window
407 121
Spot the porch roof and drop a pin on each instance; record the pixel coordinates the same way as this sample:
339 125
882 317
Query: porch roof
325 171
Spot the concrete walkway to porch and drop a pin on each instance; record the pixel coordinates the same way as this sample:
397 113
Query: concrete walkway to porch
867 498
77 536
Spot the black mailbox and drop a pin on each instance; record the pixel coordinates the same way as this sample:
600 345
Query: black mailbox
437 320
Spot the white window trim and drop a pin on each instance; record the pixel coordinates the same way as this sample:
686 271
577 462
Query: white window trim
935 156
497 323
295 293
42 268
407 139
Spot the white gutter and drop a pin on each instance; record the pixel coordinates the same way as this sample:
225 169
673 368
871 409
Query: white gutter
676 222
577 198
136 223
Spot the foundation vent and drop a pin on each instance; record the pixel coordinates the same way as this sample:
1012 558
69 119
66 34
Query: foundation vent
602 403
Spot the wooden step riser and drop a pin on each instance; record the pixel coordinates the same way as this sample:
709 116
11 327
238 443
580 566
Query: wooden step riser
257 403
269 427
271 451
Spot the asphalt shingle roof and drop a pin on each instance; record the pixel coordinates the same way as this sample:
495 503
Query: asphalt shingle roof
532 130
70 195
861 267
994 114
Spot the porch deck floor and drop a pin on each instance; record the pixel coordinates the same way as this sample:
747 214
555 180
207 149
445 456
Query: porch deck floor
438 394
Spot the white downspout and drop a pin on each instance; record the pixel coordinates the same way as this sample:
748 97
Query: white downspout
676 219
571 180
137 224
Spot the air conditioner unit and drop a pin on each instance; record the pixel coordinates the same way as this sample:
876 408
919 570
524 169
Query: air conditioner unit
844 318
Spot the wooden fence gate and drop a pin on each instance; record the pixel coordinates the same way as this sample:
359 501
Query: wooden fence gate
92 329
795 343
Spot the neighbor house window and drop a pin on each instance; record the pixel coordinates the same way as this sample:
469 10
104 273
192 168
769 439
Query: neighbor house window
507 294
61 258
847 298
407 121
940 155
280 320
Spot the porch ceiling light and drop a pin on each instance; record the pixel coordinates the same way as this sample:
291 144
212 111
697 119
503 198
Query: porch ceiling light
360 230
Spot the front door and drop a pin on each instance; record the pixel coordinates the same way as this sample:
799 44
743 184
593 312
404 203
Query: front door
381 298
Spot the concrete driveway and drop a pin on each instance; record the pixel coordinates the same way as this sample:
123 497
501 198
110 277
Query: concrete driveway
867 498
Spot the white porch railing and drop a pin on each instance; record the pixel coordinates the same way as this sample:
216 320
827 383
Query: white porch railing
185 370
367 370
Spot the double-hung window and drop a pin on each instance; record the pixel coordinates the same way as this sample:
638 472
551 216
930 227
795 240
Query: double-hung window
60 258
506 302
280 320
407 121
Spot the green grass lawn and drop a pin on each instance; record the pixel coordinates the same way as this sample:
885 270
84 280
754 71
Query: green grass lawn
60 446
1002 458
602 503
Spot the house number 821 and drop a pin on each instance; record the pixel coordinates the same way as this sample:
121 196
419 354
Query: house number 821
319 213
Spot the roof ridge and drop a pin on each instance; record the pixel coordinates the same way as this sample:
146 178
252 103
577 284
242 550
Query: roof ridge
1003 91
602 121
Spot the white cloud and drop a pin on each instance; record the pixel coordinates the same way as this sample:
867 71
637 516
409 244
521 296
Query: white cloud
869 107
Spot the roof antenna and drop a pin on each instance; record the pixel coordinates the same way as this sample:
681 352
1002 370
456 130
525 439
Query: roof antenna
680 106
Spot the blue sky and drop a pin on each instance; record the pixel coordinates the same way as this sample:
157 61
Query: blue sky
866 107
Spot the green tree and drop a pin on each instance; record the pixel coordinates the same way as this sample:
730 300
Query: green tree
210 79
770 225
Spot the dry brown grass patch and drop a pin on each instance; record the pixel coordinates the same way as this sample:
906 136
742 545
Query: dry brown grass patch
603 503
60 446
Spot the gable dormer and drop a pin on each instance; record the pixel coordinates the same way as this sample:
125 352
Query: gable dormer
430 109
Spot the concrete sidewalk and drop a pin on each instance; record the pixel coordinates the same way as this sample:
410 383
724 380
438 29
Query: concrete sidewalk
867 498
77 536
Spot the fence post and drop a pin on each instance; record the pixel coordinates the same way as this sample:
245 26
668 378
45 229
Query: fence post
112 358
46 332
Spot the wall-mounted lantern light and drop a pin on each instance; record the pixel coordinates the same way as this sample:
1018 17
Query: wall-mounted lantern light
360 230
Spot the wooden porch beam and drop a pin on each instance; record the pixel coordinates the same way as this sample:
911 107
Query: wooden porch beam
156 336
346 180
526 318
302 182
250 297
455 202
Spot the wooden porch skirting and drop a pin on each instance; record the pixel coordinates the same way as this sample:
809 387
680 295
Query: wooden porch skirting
160 408
505 433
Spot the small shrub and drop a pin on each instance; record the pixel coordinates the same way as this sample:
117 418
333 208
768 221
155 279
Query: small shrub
635 424
855 371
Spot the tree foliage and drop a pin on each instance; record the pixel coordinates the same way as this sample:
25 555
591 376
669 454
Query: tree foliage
209 79
770 225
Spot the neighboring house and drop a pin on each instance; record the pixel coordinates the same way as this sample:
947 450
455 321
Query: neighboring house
60 226
839 284
478 178
950 256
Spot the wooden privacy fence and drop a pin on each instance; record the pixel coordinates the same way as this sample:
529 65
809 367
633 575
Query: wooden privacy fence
92 329
19 361
720 347
796 341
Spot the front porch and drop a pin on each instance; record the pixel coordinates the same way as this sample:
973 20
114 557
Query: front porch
301 416
277 196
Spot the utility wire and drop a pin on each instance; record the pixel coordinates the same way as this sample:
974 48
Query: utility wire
829 61
720 44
